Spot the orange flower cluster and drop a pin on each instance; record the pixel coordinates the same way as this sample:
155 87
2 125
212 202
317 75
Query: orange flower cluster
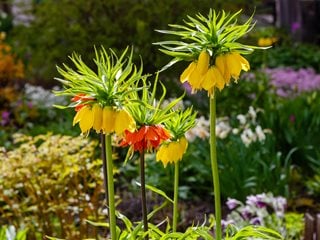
10 67
201 75
145 138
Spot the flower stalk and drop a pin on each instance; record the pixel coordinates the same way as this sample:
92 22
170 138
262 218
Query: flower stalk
110 186
175 196
143 194
214 168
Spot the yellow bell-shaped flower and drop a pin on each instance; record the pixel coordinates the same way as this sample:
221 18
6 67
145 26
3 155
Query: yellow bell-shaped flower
124 121
97 117
172 151
186 73
108 119
213 78
221 64
85 118
203 62
234 65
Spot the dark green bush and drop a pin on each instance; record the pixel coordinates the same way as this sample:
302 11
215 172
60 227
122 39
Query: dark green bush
63 26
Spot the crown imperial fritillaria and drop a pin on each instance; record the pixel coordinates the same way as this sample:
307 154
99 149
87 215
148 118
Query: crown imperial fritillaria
210 43
100 99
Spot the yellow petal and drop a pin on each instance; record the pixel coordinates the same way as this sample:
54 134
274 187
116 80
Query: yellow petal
203 62
244 63
220 81
97 117
195 79
223 67
108 119
86 121
209 79
234 64
220 63
186 73
162 154
124 121
78 116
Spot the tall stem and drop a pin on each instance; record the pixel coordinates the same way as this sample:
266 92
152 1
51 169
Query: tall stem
143 194
109 185
175 196
214 167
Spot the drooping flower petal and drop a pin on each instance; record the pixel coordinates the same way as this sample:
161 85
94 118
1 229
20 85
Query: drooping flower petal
78 116
186 73
172 152
97 117
223 67
244 62
108 119
203 62
86 121
234 65
124 121
209 79
146 138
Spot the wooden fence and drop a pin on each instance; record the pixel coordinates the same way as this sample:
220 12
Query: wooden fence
312 227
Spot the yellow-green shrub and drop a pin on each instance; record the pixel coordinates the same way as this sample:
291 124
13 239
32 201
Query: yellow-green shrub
51 184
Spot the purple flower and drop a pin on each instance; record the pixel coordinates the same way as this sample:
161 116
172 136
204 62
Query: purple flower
290 83
257 201
225 223
5 118
246 213
232 203
295 26
256 221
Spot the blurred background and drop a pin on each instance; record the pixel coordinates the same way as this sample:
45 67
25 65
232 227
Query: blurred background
268 124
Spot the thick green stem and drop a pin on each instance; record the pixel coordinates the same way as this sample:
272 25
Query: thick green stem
109 185
214 167
175 196
143 195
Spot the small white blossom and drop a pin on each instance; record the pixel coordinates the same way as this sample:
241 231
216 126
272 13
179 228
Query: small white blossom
242 119
260 133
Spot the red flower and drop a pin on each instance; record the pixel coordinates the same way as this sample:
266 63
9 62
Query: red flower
145 138
81 98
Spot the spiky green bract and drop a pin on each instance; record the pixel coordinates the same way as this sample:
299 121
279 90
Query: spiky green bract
180 122
109 85
217 33
145 108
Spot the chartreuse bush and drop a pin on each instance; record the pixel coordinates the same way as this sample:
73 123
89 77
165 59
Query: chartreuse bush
50 184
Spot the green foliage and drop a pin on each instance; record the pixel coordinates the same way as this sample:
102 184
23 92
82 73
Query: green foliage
9 233
50 184
296 55
114 23
294 224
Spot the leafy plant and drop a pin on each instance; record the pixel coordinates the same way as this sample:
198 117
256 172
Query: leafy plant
50 184
265 210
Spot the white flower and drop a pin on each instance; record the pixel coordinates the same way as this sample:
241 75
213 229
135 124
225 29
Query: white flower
252 114
235 131
242 119
260 134
245 139
223 128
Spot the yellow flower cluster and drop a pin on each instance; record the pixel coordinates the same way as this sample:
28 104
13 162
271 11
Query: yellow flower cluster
172 152
106 119
201 75
267 41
